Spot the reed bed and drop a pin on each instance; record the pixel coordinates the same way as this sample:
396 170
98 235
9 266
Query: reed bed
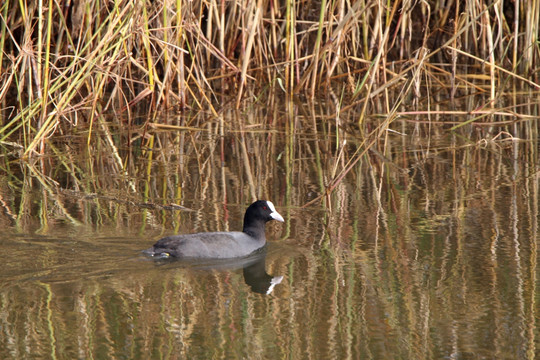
66 63
386 145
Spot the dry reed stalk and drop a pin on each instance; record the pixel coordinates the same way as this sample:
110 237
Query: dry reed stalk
252 26
290 45
491 56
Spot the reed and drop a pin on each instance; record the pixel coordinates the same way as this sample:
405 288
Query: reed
60 59
76 78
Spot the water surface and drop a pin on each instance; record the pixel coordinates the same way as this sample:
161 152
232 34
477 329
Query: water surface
425 249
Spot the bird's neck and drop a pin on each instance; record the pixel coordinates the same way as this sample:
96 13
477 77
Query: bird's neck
255 229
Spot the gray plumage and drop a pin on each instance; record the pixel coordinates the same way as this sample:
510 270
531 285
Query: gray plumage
221 245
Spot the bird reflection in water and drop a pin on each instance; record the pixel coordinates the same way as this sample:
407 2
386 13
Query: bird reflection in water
253 268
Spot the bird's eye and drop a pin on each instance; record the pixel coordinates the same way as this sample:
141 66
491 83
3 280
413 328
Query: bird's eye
265 208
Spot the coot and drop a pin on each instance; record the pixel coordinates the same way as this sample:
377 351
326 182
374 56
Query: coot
221 245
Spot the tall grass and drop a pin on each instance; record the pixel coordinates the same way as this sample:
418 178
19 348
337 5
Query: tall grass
64 62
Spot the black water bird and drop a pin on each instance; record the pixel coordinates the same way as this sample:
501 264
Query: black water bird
221 245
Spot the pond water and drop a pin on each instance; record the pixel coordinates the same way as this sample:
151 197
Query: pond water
423 247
